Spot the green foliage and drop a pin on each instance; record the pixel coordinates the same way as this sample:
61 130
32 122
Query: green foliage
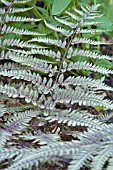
59 6
46 88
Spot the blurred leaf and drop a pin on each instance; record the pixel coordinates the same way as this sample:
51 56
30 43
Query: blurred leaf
106 23
79 58
108 8
43 11
59 6
104 63
99 108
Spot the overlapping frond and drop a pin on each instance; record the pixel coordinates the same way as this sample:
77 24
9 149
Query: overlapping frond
81 96
59 29
74 118
86 66
44 85
34 63
41 138
30 95
86 81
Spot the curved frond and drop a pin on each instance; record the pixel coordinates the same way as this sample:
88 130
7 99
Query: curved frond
82 158
70 24
58 43
19 120
82 97
90 54
44 85
59 29
74 118
34 63
41 138
99 160
73 16
87 82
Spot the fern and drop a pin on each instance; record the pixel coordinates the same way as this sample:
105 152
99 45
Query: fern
45 100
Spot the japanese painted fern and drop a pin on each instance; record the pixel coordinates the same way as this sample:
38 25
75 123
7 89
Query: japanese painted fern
42 92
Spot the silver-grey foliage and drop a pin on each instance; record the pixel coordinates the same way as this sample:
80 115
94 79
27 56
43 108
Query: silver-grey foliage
35 72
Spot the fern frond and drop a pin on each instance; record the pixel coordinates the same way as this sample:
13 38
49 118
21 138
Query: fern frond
82 157
7 3
86 66
11 66
30 95
20 108
41 138
3 109
34 63
77 40
87 82
105 117
19 19
82 97
21 2
74 118
15 124
44 85
4 136
4 55
58 43
48 53
19 120
14 30
19 43
99 160
88 53
73 16
89 12
8 153
84 24
2 11
70 24
110 165
59 29
92 31
44 154
18 10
